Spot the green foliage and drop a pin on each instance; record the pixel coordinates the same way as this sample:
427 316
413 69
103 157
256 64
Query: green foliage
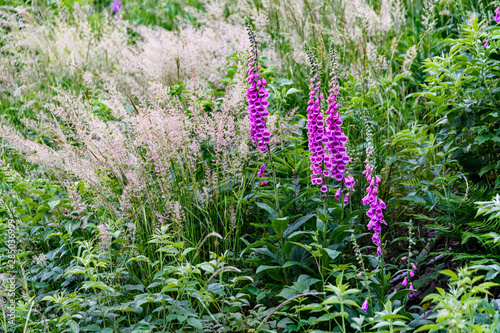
463 94
461 308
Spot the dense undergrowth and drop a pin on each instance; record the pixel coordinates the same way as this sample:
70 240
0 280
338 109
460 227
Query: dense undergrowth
250 166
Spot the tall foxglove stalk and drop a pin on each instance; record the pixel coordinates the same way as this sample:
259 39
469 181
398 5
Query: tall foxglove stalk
315 124
257 96
326 140
257 109
336 158
375 212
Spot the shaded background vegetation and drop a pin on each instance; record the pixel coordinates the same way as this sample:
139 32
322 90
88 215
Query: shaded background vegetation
131 180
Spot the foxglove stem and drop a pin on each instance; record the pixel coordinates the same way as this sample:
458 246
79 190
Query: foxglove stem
410 272
257 107
275 185
257 96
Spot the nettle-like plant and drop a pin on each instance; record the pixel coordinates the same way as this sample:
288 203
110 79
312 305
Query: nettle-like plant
463 95
461 308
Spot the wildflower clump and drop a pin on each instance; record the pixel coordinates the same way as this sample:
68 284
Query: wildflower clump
257 96
375 212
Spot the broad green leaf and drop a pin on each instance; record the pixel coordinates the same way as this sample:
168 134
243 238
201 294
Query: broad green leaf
279 225
195 322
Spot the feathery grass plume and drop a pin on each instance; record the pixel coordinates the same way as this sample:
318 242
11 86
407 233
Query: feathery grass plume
375 212
174 159
315 123
104 237
257 96
336 159
212 234
353 23
40 49
223 269
428 19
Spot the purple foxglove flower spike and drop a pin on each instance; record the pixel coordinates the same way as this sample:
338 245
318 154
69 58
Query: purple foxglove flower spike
116 6
315 123
261 172
257 97
497 15
337 194
326 139
364 307
336 158
375 212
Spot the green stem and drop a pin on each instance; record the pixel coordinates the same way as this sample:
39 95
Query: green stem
326 221
342 313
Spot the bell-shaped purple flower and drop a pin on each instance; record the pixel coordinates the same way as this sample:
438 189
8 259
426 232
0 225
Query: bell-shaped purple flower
364 307
261 171
116 6
412 292
315 123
